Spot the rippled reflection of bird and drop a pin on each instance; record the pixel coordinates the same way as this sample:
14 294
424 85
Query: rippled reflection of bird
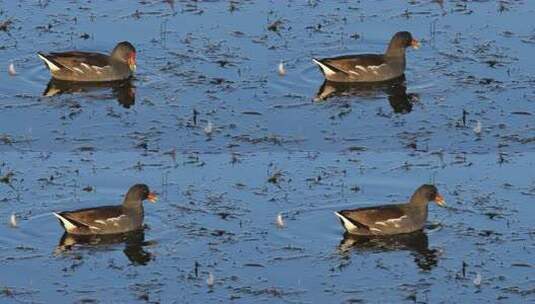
396 91
123 91
133 241
417 243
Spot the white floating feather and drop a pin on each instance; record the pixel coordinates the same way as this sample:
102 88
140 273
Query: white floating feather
477 280
210 280
209 128
11 70
478 128
281 69
13 220
280 221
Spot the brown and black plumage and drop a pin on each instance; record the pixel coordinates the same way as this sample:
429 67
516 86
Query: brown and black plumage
392 219
370 67
92 67
109 219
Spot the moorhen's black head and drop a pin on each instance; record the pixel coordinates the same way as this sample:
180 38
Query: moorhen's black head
400 41
426 194
140 192
125 52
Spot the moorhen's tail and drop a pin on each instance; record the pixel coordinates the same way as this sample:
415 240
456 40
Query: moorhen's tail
327 69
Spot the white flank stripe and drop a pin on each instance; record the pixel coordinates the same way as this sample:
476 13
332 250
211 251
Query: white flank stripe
376 67
359 67
115 219
396 220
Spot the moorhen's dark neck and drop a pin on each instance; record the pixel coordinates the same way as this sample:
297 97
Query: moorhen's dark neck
133 202
417 211
395 49
118 62
134 209
419 199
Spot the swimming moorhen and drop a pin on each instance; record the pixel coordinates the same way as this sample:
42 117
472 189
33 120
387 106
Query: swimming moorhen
392 219
109 219
92 67
370 67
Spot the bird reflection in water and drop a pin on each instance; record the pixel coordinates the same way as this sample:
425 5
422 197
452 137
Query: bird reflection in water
396 90
133 241
415 242
123 91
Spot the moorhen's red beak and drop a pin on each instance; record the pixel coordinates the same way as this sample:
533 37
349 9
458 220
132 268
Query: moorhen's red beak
152 197
440 200
415 44
132 62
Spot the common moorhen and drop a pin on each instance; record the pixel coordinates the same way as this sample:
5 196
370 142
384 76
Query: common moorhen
392 219
370 67
109 219
94 67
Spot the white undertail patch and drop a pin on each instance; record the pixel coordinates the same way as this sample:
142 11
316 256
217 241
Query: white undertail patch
51 66
326 70
348 225
69 227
